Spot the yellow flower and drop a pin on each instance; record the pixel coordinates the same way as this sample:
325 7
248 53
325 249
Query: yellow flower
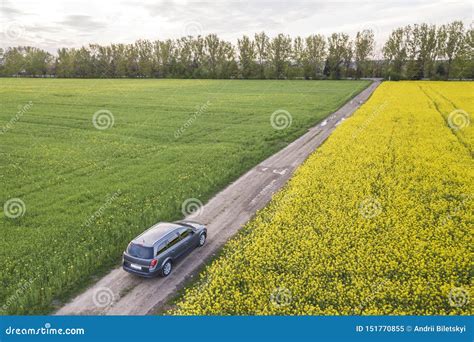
377 221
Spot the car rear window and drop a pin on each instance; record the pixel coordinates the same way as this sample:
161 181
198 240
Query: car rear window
139 251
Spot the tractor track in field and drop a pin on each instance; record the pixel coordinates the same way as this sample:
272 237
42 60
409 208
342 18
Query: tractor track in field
120 293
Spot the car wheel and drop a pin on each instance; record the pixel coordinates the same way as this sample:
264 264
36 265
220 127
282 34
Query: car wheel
166 269
202 239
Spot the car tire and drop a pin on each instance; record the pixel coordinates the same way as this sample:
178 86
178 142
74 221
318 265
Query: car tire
166 269
202 239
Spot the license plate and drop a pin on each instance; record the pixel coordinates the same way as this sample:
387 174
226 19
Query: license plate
137 267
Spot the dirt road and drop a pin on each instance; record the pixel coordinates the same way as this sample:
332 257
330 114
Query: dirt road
120 293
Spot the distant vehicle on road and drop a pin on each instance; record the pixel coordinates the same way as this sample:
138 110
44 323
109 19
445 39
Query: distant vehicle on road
156 250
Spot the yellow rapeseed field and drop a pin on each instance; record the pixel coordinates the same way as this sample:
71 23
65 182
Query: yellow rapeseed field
376 221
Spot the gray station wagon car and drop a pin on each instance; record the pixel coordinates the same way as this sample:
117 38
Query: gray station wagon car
156 250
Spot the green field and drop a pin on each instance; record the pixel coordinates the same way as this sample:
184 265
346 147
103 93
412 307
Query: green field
87 191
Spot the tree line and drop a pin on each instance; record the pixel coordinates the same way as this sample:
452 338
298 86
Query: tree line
410 52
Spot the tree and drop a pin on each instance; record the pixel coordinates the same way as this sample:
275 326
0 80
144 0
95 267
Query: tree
298 57
199 57
144 53
422 50
451 42
165 56
428 47
414 69
226 65
395 51
247 56
411 52
2 62
211 43
101 59
364 45
339 54
465 61
261 45
184 57
315 53
119 60
14 61
131 60
36 61
279 53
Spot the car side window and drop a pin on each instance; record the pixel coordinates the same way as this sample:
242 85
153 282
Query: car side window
184 232
173 241
161 248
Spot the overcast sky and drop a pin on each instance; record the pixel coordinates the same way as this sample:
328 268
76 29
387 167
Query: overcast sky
50 24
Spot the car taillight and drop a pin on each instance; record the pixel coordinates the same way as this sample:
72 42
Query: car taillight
153 263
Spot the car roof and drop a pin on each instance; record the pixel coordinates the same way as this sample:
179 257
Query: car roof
155 233
189 223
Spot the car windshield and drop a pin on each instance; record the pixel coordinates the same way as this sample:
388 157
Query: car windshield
139 251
